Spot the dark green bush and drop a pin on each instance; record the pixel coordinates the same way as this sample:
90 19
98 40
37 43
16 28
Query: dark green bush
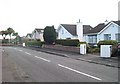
34 43
5 41
68 42
107 42
81 43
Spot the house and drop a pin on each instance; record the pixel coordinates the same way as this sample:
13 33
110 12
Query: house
72 31
29 36
37 34
103 31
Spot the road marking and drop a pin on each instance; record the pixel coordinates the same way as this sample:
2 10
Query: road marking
27 53
21 50
80 72
43 59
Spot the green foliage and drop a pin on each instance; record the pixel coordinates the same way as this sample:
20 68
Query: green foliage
10 31
34 43
68 42
107 42
114 50
5 41
93 50
81 43
49 34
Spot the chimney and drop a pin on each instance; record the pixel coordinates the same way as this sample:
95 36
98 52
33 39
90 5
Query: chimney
79 30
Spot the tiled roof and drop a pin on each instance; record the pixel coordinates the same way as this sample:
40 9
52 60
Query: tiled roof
39 30
117 22
29 35
87 29
72 28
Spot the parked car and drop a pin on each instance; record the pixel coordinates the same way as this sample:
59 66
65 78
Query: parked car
118 49
115 50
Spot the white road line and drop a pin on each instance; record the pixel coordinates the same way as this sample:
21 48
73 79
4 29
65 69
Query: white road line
80 72
43 59
27 53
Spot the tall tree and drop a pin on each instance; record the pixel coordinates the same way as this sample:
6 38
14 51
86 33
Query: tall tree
49 34
4 33
15 34
10 32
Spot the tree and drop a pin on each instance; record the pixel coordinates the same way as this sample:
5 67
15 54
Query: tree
16 35
49 35
4 33
10 32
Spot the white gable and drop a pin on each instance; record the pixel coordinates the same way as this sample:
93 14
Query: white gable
64 34
111 29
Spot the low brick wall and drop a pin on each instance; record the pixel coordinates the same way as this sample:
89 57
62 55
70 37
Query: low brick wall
63 48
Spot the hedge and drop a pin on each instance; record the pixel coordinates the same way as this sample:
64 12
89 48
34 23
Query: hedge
34 43
107 42
68 42
5 41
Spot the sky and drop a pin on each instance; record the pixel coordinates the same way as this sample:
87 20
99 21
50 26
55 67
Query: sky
26 15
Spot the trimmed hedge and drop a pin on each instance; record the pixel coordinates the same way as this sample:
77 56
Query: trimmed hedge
34 43
68 42
5 41
107 42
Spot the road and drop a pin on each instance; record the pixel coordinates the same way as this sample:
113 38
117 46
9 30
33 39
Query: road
44 67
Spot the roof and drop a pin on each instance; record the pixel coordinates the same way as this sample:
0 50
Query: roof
101 26
39 30
97 28
72 28
29 34
117 22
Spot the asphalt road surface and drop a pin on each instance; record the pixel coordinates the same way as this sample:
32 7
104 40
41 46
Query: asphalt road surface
44 67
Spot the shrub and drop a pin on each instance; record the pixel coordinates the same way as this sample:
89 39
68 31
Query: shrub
5 41
49 34
114 50
68 42
34 43
107 42
93 50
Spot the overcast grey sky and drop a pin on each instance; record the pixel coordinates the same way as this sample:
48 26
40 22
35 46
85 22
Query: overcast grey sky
26 15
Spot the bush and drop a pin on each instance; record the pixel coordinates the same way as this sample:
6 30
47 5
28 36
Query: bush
5 41
107 42
81 43
49 34
93 50
68 42
34 43
114 50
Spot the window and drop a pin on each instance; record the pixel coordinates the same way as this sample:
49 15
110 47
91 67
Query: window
92 38
117 36
107 36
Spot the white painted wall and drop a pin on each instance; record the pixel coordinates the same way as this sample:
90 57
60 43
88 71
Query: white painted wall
41 37
63 34
111 29
37 36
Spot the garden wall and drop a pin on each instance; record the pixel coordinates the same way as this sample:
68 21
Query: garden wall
63 48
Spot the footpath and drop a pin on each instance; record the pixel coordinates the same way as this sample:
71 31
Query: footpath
91 58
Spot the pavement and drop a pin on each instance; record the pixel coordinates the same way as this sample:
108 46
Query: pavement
91 58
